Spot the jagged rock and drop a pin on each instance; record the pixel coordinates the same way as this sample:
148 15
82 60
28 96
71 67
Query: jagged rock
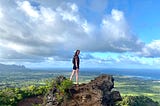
51 99
95 93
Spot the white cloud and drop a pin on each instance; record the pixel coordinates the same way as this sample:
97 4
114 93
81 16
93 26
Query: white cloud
116 33
151 50
28 9
117 15
48 15
35 37
41 31
69 12
1 14
127 60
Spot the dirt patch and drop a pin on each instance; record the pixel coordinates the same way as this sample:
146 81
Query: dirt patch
31 101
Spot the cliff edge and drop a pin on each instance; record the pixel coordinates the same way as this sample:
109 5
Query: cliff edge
97 92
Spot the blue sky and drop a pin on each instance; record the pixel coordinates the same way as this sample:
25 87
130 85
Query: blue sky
109 33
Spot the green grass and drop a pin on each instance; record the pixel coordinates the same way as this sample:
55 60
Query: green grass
137 87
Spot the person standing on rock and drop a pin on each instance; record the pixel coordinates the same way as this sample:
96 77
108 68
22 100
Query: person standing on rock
76 62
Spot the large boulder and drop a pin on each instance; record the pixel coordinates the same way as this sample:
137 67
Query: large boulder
97 92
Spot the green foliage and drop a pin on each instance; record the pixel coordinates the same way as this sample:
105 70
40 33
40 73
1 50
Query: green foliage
8 97
50 84
137 101
11 96
66 84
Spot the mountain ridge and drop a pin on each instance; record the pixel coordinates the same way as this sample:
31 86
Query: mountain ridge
12 67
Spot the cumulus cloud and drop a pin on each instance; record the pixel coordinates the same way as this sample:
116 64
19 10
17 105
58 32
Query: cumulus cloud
151 50
29 10
43 31
117 34
38 30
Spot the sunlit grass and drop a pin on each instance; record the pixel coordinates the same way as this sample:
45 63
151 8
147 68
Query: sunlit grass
138 87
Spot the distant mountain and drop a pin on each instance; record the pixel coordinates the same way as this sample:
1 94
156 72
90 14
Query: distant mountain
4 67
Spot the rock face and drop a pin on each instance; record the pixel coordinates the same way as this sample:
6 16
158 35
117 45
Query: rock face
95 93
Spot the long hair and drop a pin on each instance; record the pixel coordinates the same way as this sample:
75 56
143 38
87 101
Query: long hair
76 52
75 55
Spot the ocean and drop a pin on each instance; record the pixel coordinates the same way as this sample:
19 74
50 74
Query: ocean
152 74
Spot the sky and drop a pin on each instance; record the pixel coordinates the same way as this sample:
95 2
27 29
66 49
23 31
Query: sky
109 33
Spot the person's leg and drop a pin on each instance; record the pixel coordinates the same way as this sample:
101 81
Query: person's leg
77 72
73 71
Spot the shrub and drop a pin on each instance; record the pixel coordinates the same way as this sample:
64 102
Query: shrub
137 101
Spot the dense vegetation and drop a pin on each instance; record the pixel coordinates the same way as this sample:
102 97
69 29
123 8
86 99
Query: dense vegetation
11 96
60 87
17 85
137 101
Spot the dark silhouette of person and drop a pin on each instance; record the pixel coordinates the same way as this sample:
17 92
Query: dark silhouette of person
76 62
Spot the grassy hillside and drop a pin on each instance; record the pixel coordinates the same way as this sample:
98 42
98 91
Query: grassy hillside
138 87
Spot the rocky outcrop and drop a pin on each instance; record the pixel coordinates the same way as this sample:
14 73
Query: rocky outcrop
97 92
